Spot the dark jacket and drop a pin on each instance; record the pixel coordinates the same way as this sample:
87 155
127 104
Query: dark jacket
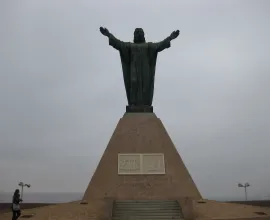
16 199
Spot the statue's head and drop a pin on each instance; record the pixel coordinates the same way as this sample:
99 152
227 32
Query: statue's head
139 36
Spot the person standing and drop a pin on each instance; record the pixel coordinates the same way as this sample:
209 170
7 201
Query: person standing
16 209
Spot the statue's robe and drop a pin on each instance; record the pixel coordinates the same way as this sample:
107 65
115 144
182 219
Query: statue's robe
139 64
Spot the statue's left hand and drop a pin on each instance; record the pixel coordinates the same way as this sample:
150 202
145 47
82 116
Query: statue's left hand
174 34
104 31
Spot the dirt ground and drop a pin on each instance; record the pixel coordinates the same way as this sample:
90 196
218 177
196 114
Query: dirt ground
5 207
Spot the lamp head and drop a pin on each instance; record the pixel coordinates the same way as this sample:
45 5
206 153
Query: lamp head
240 185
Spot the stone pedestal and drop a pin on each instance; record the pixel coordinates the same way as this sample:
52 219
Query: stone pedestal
138 109
141 162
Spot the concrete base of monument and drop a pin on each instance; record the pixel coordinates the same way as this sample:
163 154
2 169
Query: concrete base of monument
141 162
137 109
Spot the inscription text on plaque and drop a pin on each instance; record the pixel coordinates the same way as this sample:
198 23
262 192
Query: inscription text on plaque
141 164
129 164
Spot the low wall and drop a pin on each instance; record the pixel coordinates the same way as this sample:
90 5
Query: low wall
186 205
252 218
262 203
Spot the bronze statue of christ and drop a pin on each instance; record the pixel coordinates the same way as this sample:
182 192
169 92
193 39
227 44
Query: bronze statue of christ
138 64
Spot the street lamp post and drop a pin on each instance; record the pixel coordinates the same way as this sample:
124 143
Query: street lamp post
21 184
245 186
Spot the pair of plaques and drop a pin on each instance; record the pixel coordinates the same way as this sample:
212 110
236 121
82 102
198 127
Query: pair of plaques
141 164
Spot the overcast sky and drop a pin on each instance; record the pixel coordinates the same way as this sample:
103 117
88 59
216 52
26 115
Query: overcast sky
62 92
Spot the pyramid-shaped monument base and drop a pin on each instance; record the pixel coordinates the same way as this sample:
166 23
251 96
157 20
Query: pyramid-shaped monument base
141 162
142 136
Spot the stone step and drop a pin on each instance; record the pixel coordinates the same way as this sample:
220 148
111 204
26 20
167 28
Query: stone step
169 203
149 214
145 201
154 207
161 200
143 210
147 210
142 203
148 218
146 213
145 204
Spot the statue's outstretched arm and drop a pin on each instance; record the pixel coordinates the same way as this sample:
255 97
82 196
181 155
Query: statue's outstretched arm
113 41
166 43
104 31
174 35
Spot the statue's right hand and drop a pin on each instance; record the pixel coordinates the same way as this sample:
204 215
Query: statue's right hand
174 34
104 31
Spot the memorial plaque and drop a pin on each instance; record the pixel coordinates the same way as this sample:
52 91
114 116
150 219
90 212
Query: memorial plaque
141 164
129 164
153 164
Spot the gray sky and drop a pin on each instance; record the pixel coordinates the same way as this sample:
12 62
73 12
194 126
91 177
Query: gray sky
62 92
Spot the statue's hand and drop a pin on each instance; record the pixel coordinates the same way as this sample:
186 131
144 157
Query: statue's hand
104 31
174 34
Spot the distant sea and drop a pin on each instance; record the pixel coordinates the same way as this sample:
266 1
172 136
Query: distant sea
30 197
